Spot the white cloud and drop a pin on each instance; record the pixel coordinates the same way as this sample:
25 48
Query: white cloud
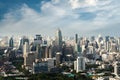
79 16
82 3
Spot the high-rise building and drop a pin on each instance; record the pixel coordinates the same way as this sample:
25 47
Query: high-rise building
107 44
11 42
59 39
39 67
44 66
92 39
25 49
76 38
48 52
22 42
38 52
117 68
79 65
119 44
77 48
29 56
58 58
38 39
29 59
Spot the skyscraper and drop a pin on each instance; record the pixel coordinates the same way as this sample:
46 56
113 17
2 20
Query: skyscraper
25 49
38 52
29 57
107 44
117 68
11 42
77 44
59 39
38 39
79 65
76 38
58 58
22 42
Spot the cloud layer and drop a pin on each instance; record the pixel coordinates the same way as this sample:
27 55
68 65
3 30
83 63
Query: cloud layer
72 16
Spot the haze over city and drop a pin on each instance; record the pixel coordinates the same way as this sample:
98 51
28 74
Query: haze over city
85 17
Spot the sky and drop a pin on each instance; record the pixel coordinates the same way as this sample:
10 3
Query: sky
84 17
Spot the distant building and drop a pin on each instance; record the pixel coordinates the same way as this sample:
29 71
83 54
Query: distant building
40 67
49 52
51 63
114 47
77 48
58 58
76 38
75 65
22 42
79 65
11 42
107 43
67 50
29 59
58 40
117 68
38 39
39 45
92 39
38 52
44 66
25 49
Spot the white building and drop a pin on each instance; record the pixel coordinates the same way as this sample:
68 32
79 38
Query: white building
25 49
29 57
79 65
75 65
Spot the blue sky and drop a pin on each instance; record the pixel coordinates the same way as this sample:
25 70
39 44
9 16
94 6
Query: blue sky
85 17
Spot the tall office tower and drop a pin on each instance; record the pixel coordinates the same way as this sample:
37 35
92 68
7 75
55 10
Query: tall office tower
100 38
22 42
48 52
117 68
77 48
114 47
25 49
11 42
38 52
38 46
58 58
107 43
38 39
29 59
44 47
79 65
76 38
59 39
119 44
77 45
92 39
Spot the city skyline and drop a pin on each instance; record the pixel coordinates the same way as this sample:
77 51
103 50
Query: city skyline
85 17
